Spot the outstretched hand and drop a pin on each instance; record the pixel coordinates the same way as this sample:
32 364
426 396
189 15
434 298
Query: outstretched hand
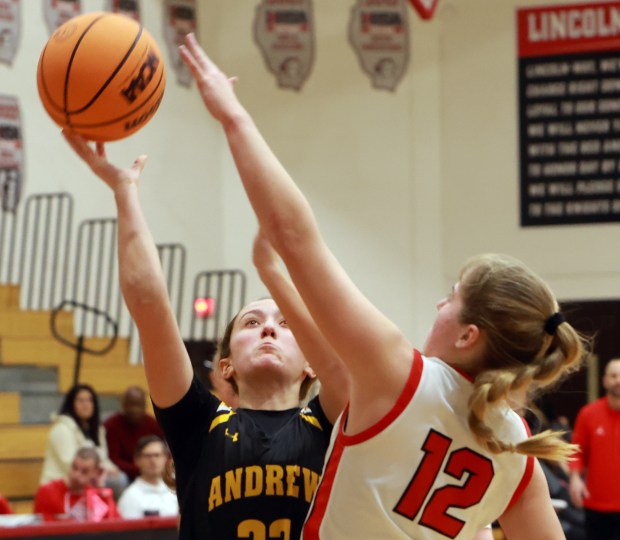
97 160
216 88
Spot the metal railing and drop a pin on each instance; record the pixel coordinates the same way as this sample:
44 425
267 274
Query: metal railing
96 281
44 243
8 228
45 249
49 277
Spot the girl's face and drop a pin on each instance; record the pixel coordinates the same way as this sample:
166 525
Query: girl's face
447 328
84 405
261 342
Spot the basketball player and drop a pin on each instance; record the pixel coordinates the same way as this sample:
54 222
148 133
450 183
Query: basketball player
428 446
248 472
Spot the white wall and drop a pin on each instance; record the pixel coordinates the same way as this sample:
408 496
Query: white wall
479 148
405 184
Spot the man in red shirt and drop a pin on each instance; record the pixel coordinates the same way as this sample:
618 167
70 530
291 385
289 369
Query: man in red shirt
124 429
597 432
80 496
5 507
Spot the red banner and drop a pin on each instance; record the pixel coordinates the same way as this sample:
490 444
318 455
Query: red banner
425 8
575 28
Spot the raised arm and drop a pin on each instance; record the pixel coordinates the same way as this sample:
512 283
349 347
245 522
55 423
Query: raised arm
532 517
376 353
166 362
329 368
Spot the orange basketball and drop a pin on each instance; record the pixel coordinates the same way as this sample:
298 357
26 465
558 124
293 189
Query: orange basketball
102 75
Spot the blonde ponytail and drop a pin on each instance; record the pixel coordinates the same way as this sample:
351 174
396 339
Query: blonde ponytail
529 346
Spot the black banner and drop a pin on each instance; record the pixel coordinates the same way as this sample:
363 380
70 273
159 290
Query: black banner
569 114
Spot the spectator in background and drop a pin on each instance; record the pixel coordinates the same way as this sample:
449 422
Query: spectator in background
125 428
69 497
5 507
597 432
78 425
148 495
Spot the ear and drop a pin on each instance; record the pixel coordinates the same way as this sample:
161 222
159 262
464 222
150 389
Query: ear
309 372
226 368
469 337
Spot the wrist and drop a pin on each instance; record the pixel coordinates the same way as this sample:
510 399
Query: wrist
124 188
236 120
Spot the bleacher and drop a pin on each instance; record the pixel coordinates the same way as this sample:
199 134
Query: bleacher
59 278
26 341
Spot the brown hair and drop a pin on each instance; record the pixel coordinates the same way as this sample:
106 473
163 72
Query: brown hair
144 441
223 351
511 305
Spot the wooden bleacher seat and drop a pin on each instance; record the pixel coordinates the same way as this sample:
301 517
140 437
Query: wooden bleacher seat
9 408
26 339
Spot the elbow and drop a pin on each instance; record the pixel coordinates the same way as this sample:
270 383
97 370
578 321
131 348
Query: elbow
142 291
289 236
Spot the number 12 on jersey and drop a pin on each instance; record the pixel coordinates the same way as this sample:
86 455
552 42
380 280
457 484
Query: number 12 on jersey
434 514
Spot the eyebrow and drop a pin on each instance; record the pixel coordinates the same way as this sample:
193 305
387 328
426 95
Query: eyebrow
257 312
254 312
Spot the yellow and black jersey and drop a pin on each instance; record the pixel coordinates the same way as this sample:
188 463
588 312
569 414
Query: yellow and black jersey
243 473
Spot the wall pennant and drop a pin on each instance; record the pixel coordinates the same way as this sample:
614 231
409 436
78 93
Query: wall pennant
129 8
10 25
179 20
379 34
284 32
425 8
11 153
58 12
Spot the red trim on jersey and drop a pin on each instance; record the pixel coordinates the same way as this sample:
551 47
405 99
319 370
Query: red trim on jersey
527 474
323 492
403 400
464 374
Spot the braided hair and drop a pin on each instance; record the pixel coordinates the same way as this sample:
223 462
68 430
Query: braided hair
529 347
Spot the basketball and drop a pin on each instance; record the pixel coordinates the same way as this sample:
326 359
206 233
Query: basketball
101 75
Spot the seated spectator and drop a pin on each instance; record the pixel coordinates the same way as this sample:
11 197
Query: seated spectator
78 425
148 495
79 495
124 429
5 507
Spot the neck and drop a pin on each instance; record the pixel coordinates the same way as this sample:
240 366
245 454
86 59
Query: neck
75 491
269 399
153 480
614 402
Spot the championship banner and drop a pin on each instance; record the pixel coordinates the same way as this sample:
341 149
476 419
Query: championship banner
569 113
425 8
10 17
11 153
179 20
58 12
379 34
129 8
284 32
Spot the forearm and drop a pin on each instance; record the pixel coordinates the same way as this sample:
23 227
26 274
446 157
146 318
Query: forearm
167 366
140 273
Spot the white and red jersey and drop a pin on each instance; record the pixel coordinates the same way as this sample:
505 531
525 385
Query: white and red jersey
419 472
